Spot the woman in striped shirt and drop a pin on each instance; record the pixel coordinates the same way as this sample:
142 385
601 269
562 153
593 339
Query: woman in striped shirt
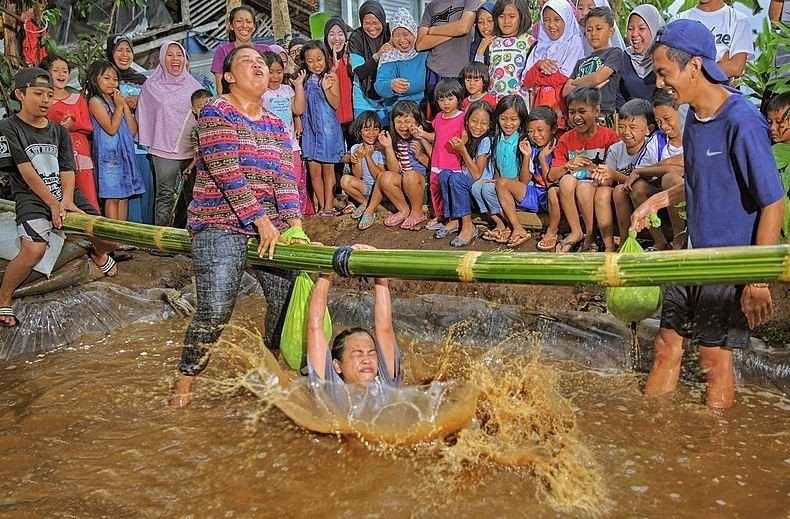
245 187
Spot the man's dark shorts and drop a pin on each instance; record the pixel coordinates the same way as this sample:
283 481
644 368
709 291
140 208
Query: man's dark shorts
708 315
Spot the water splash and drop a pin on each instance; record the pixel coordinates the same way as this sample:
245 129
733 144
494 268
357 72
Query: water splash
473 414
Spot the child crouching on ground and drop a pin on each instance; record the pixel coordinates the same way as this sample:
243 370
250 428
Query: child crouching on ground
39 155
530 192
577 152
403 182
638 147
669 169
367 162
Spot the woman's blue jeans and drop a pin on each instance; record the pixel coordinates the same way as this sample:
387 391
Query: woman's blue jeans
219 258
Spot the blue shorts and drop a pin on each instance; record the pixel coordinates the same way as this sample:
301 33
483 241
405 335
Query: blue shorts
535 199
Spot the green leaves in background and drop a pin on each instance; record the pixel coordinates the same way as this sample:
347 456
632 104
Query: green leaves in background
761 75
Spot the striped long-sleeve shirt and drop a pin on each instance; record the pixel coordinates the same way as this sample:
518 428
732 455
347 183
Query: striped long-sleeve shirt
244 171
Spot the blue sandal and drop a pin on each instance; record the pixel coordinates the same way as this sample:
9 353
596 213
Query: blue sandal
365 222
458 242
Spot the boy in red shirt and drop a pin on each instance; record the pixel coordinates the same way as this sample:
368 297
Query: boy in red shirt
577 152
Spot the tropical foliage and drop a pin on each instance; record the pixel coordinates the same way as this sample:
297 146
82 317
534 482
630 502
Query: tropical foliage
80 54
761 74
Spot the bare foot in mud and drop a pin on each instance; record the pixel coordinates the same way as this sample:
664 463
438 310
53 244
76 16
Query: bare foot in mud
181 392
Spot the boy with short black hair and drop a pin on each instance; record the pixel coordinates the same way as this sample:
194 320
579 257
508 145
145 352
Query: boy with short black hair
186 183
733 197
39 157
669 169
602 67
576 154
777 112
638 147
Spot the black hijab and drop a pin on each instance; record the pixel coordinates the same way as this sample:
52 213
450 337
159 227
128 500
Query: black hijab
337 21
128 75
361 44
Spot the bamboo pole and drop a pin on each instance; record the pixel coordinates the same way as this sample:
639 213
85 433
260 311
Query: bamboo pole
735 265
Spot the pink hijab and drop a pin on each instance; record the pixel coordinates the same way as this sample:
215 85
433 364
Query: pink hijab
164 109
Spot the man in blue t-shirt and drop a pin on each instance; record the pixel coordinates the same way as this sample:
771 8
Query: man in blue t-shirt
733 197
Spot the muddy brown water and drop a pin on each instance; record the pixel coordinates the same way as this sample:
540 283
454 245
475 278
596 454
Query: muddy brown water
85 431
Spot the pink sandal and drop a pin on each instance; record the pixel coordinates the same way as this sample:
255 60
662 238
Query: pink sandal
394 220
412 222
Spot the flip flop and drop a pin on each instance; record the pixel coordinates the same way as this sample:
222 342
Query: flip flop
504 236
106 269
593 247
514 242
365 221
458 242
394 220
349 208
358 211
547 243
7 311
434 225
568 245
120 255
444 233
492 234
411 222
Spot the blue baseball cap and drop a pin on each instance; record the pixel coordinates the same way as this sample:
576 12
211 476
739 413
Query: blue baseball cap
693 37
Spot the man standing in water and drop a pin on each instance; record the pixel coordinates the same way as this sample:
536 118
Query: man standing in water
733 197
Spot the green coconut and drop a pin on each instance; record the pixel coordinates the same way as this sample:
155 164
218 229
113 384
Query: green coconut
632 304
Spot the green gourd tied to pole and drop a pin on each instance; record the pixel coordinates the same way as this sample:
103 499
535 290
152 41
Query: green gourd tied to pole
632 304
293 339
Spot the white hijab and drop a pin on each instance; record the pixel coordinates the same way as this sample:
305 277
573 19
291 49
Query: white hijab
568 49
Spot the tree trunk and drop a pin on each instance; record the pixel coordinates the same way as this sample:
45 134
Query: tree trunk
281 20
10 28
232 4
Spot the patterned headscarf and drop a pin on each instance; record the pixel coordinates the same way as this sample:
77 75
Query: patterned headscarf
403 19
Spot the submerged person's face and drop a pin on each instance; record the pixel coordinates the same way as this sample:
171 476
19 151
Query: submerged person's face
360 362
